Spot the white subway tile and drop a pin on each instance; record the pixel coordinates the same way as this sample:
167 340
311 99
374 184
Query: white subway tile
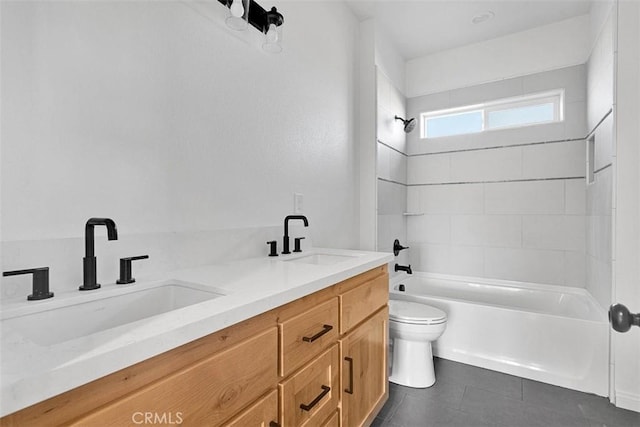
397 167
487 165
575 269
556 160
392 198
487 230
382 161
604 143
575 193
466 261
428 169
575 120
526 265
486 92
529 197
429 228
572 79
560 232
451 199
429 257
390 227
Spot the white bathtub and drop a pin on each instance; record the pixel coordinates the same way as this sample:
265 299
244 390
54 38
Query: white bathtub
557 335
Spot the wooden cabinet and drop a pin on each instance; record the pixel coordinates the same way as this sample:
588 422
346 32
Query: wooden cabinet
206 393
364 374
304 335
310 395
289 366
263 413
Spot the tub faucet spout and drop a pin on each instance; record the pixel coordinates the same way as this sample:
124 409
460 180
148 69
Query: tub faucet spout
405 268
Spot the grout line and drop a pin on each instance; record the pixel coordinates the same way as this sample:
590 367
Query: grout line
495 147
391 181
603 168
497 181
393 148
599 123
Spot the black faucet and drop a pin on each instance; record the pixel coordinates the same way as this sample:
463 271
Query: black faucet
285 240
40 283
406 268
89 261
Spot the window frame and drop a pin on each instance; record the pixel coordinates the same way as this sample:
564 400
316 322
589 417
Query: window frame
554 97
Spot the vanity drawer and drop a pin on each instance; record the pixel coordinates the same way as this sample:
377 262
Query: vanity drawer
262 413
333 421
358 303
306 334
200 394
311 395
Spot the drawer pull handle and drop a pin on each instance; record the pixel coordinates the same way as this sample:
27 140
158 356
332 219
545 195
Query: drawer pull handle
350 388
325 390
325 329
274 424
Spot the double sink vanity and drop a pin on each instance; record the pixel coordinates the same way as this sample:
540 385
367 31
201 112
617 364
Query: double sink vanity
298 339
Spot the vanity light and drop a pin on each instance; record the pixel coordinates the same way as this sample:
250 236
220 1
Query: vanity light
273 31
244 12
238 16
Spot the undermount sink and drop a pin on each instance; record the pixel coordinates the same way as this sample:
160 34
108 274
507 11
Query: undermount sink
118 307
322 259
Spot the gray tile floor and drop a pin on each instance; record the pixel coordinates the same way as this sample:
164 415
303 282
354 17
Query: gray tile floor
467 396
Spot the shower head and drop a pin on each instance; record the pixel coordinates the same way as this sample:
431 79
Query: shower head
409 124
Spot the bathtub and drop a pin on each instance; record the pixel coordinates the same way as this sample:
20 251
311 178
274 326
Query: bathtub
553 334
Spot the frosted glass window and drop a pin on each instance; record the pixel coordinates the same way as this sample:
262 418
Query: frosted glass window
520 116
527 110
454 124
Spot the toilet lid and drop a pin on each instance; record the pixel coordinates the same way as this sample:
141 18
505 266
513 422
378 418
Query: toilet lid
416 313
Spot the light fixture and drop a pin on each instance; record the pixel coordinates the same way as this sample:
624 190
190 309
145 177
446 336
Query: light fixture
244 12
238 15
273 31
482 17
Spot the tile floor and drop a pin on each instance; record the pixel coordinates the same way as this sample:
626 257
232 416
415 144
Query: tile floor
467 396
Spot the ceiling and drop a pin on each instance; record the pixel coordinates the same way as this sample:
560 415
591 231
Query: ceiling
421 27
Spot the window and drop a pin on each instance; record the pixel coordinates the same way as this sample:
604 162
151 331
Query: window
501 114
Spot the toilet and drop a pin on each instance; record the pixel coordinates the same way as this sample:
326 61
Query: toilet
412 328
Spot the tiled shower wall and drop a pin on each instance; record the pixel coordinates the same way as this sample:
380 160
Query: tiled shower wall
506 204
391 168
600 119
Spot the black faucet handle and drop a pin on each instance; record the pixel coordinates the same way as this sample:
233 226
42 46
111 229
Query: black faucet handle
273 247
296 244
40 284
397 247
125 269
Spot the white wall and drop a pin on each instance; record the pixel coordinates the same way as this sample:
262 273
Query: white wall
548 47
505 204
158 116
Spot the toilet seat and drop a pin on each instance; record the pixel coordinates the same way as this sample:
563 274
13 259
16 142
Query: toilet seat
415 313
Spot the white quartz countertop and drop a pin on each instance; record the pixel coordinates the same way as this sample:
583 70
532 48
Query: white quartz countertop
30 373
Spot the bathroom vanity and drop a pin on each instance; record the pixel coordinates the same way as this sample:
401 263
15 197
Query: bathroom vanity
320 358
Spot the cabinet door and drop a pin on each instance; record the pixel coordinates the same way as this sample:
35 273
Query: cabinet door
206 393
364 370
263 413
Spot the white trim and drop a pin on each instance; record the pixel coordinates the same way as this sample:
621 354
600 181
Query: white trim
628 401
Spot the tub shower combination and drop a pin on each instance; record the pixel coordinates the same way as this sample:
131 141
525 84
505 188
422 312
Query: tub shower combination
557 335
